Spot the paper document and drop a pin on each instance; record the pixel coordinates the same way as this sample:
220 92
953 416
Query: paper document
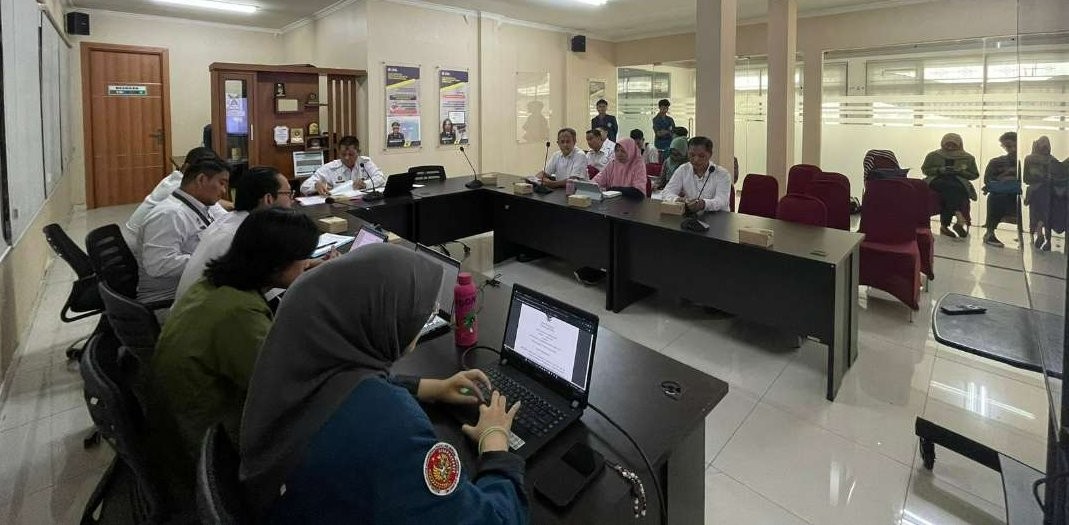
331 241
610 194
417 185
345 190
548 341
312 201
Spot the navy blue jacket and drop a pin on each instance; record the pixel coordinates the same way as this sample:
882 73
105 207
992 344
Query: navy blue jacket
608 123
366 466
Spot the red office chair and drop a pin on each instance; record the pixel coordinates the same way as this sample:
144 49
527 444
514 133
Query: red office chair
653 170
834 177
890 259
799 177
836 199
759 195
803 209
925 238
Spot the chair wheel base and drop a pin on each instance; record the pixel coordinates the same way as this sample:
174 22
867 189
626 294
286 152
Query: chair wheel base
92 440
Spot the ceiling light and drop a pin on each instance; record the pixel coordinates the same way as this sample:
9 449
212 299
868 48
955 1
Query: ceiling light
593 2
212 4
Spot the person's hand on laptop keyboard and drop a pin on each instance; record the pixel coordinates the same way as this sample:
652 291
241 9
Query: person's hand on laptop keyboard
494 426
463 388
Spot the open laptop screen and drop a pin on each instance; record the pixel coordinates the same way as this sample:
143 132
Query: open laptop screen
450 270
551 336
367 236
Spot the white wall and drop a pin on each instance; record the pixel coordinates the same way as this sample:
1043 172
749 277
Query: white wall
191 46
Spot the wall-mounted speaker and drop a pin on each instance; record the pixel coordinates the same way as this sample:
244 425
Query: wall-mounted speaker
579 44
77 23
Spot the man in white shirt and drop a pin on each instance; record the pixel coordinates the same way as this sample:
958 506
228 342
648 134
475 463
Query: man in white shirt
172 229
260 187
650 155
162 190
704 186
601 149
349 166
566 163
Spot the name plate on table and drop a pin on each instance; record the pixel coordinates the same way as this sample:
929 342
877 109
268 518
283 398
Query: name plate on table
760 237
332 224
578 201
672 208
522 188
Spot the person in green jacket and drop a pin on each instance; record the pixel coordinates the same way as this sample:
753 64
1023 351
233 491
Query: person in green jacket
200 371
948 171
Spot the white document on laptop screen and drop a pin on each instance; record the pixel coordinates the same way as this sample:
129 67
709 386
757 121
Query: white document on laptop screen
548 341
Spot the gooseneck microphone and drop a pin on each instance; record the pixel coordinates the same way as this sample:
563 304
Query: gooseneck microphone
475 183
542 189
374 194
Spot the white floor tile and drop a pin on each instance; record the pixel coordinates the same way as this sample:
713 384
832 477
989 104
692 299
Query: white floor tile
879 399
728 501
27 398
61 504
25 458
932 500
725 420
69 458
813 473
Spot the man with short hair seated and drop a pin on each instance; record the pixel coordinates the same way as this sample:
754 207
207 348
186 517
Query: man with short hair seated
601 149
172 229
132 227
262 187
350 166
703 186
566 163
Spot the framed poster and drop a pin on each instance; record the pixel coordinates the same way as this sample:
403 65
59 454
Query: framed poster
453 107
402 107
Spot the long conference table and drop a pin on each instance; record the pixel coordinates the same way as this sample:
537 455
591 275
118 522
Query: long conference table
805 284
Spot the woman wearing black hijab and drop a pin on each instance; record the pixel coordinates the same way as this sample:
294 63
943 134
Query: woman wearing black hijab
328 437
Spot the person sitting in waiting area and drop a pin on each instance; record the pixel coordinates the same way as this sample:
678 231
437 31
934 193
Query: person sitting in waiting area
172 229
262 187
605 121
650 155
200 370
1002 187
680 131
948 171
566 163
601 149
703 186
677 156
881 164
350 166
1048 193
166 186
329 436
626 171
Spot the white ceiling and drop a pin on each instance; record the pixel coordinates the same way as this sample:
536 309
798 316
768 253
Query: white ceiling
617 20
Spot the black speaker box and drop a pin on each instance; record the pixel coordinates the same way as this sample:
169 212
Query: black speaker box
77 23
579 43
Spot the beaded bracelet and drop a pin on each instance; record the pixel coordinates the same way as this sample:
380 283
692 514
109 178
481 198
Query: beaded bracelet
638 492
487 432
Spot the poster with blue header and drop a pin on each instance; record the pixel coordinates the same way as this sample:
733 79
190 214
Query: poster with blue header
402 107
453 107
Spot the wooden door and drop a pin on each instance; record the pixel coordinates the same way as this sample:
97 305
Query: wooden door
126 120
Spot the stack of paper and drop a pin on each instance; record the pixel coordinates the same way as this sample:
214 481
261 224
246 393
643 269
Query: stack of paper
312 200
345 191
331 241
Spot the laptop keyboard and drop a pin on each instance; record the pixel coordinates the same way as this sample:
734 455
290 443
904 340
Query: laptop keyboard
536 417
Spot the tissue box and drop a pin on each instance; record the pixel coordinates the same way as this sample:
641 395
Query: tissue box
332 225
522 188
672 208
579 201
489 179
755 236
393 238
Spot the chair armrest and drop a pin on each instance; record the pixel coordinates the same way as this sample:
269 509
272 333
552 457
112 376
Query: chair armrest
159 305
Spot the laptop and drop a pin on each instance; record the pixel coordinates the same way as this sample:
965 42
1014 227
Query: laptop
546 362
399 185
441 321
367 235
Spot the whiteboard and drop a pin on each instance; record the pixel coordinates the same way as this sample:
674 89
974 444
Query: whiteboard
21 21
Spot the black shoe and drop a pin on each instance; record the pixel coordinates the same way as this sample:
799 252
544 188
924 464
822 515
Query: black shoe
589 276
991 240
1046 246
1039 241
961 231
943 230
527 257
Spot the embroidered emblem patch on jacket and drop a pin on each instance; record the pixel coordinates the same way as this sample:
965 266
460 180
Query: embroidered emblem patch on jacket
441 469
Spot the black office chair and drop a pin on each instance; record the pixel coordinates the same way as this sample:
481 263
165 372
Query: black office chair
128 492
428 173
133 323
83 300
219 498
112 259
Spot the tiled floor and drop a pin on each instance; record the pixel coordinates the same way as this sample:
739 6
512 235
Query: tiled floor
777 451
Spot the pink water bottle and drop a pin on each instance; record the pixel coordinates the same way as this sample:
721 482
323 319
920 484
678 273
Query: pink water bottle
466 324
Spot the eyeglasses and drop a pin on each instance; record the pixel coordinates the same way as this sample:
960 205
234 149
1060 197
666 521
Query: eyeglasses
289 193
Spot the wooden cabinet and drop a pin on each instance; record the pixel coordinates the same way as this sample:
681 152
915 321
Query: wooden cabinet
247 107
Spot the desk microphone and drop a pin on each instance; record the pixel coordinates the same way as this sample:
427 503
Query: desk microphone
374 194
475 183
541 189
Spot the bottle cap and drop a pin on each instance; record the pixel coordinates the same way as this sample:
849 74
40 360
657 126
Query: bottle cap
464 278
